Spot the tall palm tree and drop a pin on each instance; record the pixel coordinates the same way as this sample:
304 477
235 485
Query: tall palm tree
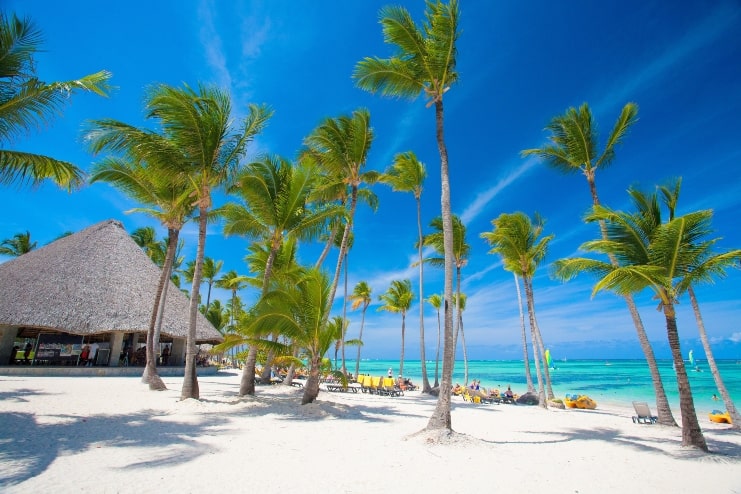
398 298
18 245
361 296
461 249
518 242
436 302
27 103
199 123
298 312
712 265
407 174
653 255
233 281
140 164
424 63
275 203
573 149
340 146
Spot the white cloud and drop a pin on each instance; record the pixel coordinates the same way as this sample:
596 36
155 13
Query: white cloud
482 200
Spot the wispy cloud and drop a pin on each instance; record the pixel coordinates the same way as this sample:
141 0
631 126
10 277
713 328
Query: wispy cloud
707 30
483 199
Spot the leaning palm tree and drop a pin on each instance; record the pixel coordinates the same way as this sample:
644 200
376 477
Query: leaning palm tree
18 245
407 174
518 242
398 299
436 302
652 255
424 63
461 250
361 296
573 149
27 103
140 164
712 265
274 204
199 122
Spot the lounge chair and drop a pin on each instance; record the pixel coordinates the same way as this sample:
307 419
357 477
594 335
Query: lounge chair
643 413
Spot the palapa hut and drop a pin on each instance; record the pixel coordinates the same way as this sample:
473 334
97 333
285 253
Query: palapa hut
96 288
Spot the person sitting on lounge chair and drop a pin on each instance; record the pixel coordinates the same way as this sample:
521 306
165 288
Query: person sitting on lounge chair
457 389
509 393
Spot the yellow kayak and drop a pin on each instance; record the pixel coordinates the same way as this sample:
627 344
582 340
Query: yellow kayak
720 418
585 402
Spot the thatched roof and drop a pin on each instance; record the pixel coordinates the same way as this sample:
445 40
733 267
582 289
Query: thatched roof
95 281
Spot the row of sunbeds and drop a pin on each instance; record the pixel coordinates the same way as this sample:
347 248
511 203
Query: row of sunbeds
385 386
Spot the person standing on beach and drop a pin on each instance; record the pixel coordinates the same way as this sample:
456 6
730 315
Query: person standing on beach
391 372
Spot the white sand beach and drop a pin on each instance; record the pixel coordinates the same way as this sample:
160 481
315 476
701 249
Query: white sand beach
111 434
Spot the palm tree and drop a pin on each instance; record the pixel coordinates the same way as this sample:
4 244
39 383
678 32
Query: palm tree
361 296
703 272
518 241
146 238
199 123
461 250
298 312
573 149
407 174
18 245
424 64
275 203
398 299
340 146
233 281
27 103
653 255
140 164
211 270
436 302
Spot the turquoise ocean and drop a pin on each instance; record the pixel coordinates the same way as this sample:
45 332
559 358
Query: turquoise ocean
617 382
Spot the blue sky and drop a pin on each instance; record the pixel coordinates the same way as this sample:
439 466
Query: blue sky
520 64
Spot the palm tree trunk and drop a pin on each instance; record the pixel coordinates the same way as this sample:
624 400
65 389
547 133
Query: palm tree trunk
343 250
150 375
190 380
463 345
360 337
327 246
546 371
401 359
344 318
426 388
525 356
534 337
730 407
437 354
311 389
691 432
440 418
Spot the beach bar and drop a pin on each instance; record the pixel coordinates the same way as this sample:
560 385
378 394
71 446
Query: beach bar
85 300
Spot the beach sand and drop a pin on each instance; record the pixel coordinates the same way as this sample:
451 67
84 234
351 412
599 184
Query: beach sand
111 434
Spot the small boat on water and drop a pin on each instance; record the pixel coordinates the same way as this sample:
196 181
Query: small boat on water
719 417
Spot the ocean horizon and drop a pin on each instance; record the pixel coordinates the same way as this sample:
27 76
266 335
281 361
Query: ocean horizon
616 382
